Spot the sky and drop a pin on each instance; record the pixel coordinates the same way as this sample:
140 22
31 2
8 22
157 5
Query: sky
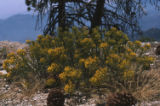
12 7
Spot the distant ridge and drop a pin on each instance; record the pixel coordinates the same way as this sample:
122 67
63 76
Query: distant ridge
19 28
153 33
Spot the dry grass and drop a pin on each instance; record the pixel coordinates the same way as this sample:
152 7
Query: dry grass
147 85
22 89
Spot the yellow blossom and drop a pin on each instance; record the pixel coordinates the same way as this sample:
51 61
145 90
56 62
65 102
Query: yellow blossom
69 88
103 45
11 54
56 51
147 46
28 41
138 43
90 61
5 65
21 52
53 67
8 74
132 54
39 37
50 51
62 76
70 72
67 69
87 42
130 43
81 61
129 50
42 60
99 76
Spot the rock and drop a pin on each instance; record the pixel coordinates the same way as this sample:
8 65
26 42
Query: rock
3 72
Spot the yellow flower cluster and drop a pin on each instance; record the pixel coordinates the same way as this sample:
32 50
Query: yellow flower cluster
103 45
53 68
132 54
21 52
112 59
42 60
90 62
99 76
87 42
138 43
69 87
56 51
70 72
77 59
11 55
8 63
76 54
129 50
39 37
8 74
124 64
28 41
149 59
147 46
130 44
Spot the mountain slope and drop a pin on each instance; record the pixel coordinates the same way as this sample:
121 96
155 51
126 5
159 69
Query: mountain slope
153 33
18 28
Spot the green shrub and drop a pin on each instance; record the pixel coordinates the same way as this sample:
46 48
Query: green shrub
78 60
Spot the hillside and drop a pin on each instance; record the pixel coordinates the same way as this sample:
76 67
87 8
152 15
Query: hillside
18 28
153 33
22 27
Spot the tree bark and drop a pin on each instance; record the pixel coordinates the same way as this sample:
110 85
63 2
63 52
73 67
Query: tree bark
99 11
61 15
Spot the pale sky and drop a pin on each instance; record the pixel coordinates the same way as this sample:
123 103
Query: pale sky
12 7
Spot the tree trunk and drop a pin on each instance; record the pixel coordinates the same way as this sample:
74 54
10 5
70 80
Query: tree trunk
61 16
97 16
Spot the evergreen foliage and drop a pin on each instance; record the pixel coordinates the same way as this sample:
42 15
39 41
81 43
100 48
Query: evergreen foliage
122 14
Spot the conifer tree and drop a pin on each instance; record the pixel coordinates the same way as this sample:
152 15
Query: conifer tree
122 14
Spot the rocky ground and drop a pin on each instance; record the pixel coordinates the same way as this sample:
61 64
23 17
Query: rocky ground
13 96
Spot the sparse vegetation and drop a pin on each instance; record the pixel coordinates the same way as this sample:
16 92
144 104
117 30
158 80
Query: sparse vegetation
99 62
121 99
3 52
